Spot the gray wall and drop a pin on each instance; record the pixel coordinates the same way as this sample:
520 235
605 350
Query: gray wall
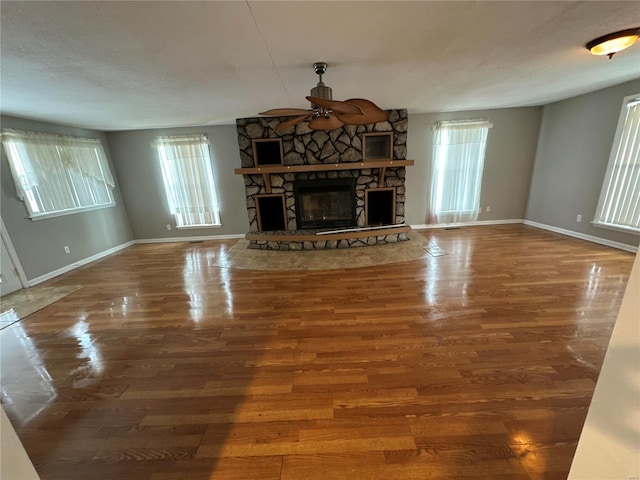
138 170
39 244
575 142
511 150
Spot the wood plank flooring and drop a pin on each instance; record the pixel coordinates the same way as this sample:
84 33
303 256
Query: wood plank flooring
479 364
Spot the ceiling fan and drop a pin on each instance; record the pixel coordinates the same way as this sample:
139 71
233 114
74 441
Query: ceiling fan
326 113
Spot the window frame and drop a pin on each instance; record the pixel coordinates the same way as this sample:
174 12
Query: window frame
615 146
437 156
25 196
205 145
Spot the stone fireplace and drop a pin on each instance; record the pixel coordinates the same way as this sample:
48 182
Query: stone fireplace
303 185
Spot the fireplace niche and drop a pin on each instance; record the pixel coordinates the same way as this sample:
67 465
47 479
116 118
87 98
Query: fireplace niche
326 203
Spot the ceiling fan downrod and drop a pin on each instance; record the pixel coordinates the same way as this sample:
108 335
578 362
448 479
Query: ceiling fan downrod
320 90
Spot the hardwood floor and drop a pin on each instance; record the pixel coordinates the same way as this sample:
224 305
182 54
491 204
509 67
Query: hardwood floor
479 364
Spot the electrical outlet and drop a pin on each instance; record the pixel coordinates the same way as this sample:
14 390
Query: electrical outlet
578 218
67 250
488 209
168 226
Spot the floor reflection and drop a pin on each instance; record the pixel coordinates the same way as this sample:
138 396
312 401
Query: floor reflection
456 263
200 276
600 294
27 386
225 278
90 353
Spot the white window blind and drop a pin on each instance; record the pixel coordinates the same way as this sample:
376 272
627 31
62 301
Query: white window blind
456 170
58 175
188 180
619 204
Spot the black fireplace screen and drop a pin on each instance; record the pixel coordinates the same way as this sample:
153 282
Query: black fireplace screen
325 203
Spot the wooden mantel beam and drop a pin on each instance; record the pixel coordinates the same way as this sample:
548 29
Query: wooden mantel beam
323 167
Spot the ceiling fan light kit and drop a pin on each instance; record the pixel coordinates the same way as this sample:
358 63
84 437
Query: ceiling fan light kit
326 113
613 42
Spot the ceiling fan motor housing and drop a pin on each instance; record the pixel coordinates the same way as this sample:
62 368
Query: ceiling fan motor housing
322 91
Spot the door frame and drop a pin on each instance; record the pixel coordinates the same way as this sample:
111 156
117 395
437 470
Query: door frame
13 255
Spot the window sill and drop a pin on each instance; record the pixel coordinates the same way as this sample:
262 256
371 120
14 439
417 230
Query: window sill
62 213
191 227
633 231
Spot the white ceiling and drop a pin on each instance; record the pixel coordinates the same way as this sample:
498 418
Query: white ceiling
130 65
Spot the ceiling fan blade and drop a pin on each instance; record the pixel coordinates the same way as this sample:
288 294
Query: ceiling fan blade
291 123
371 113
324 123
285 112
336 105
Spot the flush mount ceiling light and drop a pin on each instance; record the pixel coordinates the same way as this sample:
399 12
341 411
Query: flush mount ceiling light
614 42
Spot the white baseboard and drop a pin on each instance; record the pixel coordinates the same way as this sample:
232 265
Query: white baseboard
190 239
80 263
582 236
98 256
562 231
467 224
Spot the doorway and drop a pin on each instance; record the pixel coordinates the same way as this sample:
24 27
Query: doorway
9 277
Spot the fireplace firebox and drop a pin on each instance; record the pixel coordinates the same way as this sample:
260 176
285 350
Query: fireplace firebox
326 203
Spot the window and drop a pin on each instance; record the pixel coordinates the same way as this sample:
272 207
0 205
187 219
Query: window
188 180
456 170
619 204
58 175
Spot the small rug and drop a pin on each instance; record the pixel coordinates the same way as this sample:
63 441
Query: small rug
243 258
23 303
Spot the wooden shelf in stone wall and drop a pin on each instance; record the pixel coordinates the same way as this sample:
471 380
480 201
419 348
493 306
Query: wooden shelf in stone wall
266 171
